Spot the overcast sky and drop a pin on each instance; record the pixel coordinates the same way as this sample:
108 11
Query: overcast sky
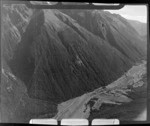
133 12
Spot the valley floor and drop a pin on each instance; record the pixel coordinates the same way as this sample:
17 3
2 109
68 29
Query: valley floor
125 99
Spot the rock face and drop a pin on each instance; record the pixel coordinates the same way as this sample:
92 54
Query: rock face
61 54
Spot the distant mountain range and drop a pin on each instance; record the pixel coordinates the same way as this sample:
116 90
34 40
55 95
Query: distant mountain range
56 55
140 27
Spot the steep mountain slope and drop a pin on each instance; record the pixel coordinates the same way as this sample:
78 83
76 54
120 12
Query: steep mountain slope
56 56
16 106
140 27
114 29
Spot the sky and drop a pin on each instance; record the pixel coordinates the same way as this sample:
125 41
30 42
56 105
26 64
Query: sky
133 12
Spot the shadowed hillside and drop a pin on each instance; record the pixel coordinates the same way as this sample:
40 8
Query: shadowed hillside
59 54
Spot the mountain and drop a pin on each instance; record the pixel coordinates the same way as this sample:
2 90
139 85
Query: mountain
113 28
140 27
56 55
16 106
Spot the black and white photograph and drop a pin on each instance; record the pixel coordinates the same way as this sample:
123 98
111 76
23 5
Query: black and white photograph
73 63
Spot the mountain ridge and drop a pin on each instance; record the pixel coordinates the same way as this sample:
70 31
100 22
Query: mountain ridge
44 24
57 56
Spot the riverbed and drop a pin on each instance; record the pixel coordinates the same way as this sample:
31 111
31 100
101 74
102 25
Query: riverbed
119 99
